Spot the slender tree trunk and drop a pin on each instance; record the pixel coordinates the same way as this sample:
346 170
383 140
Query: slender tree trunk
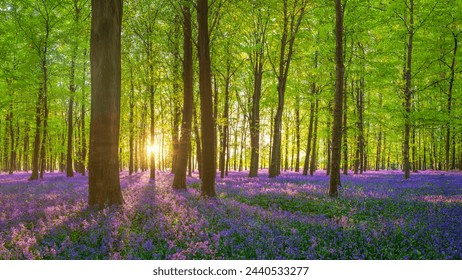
38 124
257 59
449 104
131 124
360 124
286 145
408 93
379 140
414 148
297 134
225 126
83 157
255 116
11 164
337 122
345 129
70 118
45 128
241 149
308 142
328 140
206 103
143 136
152 156
25 161
198 143
179 181
314 90
176 115
315 139
104 184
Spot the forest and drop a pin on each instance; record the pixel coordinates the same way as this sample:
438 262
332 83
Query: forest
230 129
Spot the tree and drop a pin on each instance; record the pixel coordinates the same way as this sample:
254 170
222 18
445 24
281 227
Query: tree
72 89
105 56
206 105
38 34
334 180
184 145
258 38
408 90
292 18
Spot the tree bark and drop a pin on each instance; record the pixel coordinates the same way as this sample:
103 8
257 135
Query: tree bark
297 134
152 156
131 125
225 125
408 93
11 164
70 117
184 145
449 105
315 138
345 129
206 103
310 137
337 122
105 49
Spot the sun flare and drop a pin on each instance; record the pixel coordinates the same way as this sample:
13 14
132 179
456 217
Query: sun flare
153 149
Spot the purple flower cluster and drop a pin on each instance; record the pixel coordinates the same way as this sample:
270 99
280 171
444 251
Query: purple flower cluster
378 215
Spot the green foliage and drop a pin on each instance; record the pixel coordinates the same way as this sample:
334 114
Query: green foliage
375 50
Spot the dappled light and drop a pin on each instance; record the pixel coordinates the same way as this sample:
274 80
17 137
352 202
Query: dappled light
251 218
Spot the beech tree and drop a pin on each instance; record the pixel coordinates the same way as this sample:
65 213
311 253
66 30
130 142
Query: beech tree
105 57
292 19
184 145
206 104
334 181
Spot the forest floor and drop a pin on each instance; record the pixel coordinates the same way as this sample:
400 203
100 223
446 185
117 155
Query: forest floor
378 215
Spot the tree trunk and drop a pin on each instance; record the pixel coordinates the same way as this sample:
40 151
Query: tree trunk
105 48
408 93
198 143
255 116
345 129
449 105
176 114
38 124
286 145
338 102
131 124
83 141
257 59
315 139
308 142
291 24
206 103
179 181
297 133
11 164
360 124
379 141
152 156
70 118
45 127
225 126
25 160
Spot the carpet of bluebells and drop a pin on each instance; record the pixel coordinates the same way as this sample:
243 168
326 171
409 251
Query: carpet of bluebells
378 215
